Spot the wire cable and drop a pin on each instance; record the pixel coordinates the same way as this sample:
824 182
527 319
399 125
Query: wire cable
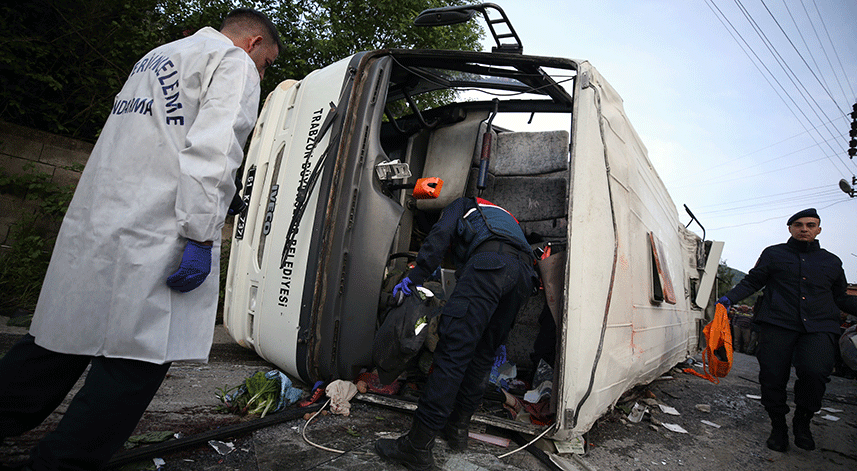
767 207
789 199
832 46
743 200
733 31
803 39
823 85
706 170
530 442
725 179
790 74
303 432
782 216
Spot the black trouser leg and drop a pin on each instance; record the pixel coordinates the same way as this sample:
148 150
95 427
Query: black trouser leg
814 359
776 349
102 415
475 320
33 382
475 379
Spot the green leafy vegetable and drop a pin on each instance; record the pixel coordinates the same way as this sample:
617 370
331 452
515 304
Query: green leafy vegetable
257 395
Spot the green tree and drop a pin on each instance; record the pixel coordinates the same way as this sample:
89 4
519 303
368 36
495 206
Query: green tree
61 63
725 276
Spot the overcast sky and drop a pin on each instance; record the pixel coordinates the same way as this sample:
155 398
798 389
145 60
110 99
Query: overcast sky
733 136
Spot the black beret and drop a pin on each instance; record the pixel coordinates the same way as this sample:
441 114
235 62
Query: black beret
806 213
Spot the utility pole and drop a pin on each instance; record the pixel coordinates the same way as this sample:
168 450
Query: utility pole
852 149
849 188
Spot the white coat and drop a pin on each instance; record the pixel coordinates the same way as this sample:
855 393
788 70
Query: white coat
162 172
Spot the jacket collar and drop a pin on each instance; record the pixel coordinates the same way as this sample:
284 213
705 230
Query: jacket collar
802 246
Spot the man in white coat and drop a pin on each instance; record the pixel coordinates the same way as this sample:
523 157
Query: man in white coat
128 290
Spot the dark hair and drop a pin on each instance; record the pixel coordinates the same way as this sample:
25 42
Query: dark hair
248 18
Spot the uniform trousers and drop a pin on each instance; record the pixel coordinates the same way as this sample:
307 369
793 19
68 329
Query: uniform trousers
100 417
490 290
813 356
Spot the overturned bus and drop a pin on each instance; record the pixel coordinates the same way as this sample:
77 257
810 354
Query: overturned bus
330 180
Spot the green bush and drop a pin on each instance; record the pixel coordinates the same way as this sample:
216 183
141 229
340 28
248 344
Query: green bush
24 262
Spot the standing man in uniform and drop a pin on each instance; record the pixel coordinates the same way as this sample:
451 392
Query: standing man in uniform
494 278
128 290
798 321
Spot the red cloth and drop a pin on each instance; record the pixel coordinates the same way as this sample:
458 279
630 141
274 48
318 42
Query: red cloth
374 384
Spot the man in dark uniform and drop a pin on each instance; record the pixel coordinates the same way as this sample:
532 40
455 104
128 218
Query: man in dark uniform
494 278
798 320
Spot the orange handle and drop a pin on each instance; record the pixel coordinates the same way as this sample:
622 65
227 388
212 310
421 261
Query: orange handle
427 188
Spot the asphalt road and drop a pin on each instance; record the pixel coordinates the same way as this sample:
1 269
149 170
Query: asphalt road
731 438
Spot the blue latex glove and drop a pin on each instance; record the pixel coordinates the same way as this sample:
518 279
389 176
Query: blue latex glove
725 302
404 287
194 268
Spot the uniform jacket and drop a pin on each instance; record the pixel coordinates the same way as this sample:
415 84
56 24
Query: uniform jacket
162 172
463 226
804 288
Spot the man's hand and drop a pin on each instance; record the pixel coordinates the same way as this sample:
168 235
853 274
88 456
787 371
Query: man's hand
404 287
193 269
725 302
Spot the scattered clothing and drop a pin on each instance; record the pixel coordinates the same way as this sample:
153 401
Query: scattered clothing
340 393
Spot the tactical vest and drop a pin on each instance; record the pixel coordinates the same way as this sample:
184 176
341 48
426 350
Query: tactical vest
484 221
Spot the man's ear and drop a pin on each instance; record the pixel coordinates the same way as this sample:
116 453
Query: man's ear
254 41
248 43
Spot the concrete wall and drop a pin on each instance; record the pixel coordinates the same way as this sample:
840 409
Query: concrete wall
48 153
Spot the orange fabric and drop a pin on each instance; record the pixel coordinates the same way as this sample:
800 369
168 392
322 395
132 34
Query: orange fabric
717 356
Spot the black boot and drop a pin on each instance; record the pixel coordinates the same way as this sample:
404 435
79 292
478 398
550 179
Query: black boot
779 439
800 424
412 450
456 430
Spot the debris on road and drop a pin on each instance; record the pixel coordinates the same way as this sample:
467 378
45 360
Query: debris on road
223 448
340 393
675 428
637 412
260 393
156 436
491 439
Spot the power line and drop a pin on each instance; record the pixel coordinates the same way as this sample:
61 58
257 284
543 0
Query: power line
742 200
823 86
827 196
759 64
796 82
716 181
759 61
768 147
833 46
782 216
798 29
